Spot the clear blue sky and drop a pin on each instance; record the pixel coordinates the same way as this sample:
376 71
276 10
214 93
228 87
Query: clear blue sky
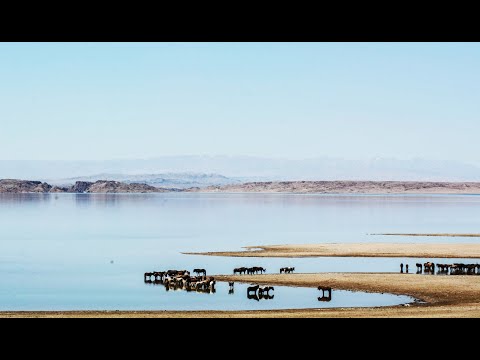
295 100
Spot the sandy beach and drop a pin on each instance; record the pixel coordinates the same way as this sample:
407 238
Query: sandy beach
357 250
445 296
439 295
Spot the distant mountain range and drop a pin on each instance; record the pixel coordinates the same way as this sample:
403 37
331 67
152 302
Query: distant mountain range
199 170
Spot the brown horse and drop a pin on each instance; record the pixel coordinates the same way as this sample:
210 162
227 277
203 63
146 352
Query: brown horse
240 270
429 267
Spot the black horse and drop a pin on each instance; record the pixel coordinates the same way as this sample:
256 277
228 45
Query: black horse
200 271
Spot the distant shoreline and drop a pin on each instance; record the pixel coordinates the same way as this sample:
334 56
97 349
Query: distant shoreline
292 187
355 250
350 187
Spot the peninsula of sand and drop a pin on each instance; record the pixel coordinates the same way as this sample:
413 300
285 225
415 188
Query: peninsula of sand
438 295
357 250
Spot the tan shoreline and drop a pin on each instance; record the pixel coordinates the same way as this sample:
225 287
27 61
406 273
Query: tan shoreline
446 296
347 187
356 250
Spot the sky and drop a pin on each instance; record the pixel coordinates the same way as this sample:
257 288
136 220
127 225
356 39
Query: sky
98 101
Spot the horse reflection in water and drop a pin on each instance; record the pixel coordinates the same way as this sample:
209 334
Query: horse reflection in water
258 292
231 289
324 297
429 268
154 277
198 287
181 280
419 268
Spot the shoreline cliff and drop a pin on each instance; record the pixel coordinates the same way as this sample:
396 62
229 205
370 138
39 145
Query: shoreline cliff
100 186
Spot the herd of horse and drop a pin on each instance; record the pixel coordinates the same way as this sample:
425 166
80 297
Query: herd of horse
446 269
258 269
249 270
181 280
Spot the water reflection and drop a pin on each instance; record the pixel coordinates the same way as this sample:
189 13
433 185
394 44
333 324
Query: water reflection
26 199
258 297
258 292
68 243
328 291
325 298
325 290
104 200
286 298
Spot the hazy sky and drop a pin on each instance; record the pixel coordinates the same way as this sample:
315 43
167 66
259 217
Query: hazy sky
296 100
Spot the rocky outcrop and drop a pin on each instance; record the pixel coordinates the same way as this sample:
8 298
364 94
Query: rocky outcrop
101 186
58 189
23 186
80 187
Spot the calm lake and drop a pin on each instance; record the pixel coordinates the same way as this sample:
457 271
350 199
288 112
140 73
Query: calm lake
89 251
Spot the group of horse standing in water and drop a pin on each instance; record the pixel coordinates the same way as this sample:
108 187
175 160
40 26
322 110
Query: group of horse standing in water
445 269
182 280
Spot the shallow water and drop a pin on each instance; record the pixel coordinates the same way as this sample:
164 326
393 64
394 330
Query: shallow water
89 251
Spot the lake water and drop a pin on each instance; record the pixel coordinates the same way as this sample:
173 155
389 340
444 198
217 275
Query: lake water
89 251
